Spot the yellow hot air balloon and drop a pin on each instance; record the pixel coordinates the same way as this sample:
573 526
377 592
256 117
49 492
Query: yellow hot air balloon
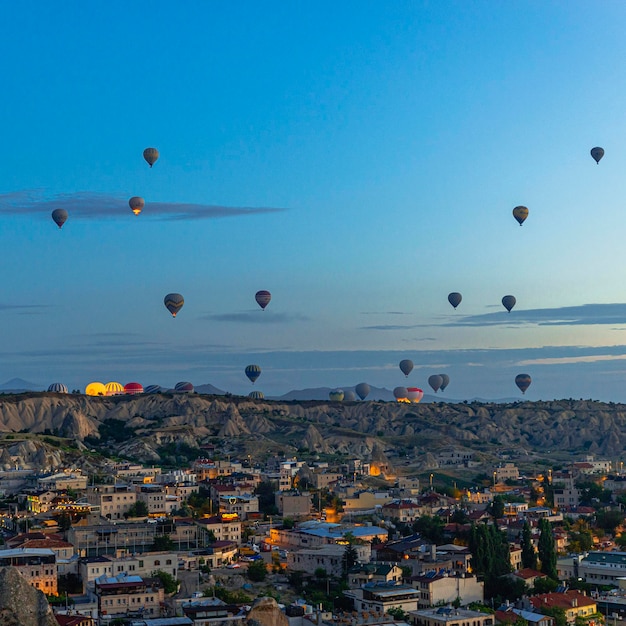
113 389
95 389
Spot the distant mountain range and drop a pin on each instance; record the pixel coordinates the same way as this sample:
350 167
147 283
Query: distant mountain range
19 385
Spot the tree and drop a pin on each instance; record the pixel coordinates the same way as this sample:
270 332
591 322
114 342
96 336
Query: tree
497 507
162 543
491 557
529 556
266 493
257 571
547 549
609 520
350 556
560 619
170 584
431 528
138 509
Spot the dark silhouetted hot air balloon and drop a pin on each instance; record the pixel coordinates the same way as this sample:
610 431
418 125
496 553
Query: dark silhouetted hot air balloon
508 302
183 387
435 381
151 155
263 298
597 153
349 396
455 298
173 303
60 217
136 204
152 389
406 366
445 381
362 390
336 395
520 213
414 394
253 372
523 382
133 389
57 388
400 393
256 395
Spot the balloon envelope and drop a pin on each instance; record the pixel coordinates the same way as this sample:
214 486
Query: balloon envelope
349 396
597 153
508 302
400 393
406 366
60 217
151 155
95 389
523 382
173 303
133 388
57 388
445 381
152 389
263 298
414 394
183 387
362 390
435 381
113 389
520 213
256 395
253 372
336 395
455 298
136 204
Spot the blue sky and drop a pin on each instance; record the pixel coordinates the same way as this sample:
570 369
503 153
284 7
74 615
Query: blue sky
360 160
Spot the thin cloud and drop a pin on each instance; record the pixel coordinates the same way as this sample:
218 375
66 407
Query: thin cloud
25 309
83 205
580 315
256 317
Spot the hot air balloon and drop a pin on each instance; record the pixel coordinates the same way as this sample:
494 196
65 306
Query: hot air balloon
133 389
336 395
414 394
520 213
253 372
183 387
455 298
152 389
263 298
256 395
406 366
174 303
523 382
136 204
95 389
60 217
435 382
508 302
113 389
400 393
445 381
57 388
362 390
597 153
151 155
349 396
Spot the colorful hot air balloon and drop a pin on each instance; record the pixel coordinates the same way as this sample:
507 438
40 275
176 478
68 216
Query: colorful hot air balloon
455 298
60 217
113 389
57 388
400 393
414 394
183 387
362 390
152 389
336 395
597 153
445 381
263 298
523 382
95 389
520 213
136 204
256 395
253 372
508 302
435 382
406 366
133 389
173 303
151 155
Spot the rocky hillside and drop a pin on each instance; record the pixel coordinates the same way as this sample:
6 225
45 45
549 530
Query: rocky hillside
20 603
256 427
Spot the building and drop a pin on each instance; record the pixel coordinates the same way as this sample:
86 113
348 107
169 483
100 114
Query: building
360 575
603 568
313 533
506 471
447 616
243 505
574 603
379 598
37 565
436 588
406 511
128 596
62 481
293 504
65 553
113 500
223 527
510 615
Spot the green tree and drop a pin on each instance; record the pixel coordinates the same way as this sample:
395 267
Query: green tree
430 528
170 584
491 557
609 520
349 558
560 619
497 507
266 493
547 549
257 571
163 543
138 509
529 556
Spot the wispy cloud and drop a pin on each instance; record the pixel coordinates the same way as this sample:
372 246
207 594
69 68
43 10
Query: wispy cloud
81 205
255 317
581 315
390 327
25 309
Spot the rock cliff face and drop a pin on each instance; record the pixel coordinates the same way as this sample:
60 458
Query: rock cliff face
265 612
20 603
360 429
